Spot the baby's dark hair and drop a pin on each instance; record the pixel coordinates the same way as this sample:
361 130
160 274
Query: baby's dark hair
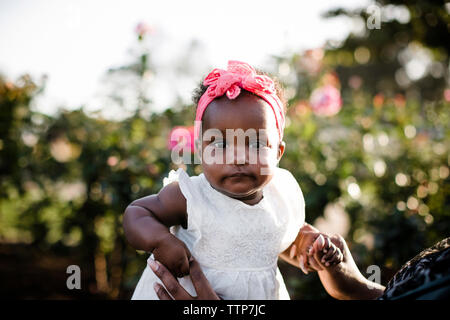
201 89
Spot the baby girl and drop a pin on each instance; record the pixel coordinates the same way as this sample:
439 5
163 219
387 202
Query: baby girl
243 211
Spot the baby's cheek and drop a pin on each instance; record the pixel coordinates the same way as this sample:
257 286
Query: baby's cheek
267 160
267 157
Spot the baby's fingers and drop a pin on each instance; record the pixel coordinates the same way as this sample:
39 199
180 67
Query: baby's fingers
184 267
301 264
184 262
312 263
318 244
293 251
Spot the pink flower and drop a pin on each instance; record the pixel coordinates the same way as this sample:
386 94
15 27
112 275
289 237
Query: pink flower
355 82
399 100
143 29
302 108
331 78
447 95
183 136
312 60
326 101
378 100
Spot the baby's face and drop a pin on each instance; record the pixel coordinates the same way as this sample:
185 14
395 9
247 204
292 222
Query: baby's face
240 147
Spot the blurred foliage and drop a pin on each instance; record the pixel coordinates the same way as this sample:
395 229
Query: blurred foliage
65 180
384 158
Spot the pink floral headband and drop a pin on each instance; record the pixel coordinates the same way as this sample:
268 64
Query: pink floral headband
239 75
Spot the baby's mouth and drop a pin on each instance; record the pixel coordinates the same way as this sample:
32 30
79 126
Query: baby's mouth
240 175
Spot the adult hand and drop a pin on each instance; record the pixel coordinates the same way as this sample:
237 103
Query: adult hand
174 290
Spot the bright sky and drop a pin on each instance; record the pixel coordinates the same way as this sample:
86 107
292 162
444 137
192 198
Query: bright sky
75 42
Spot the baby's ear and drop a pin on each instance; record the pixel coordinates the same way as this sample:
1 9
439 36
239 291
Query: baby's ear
281 147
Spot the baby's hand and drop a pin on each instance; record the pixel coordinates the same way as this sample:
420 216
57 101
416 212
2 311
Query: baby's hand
329 254
310 241
174 254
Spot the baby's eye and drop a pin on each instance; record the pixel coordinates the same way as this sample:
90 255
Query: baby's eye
219 144
257 144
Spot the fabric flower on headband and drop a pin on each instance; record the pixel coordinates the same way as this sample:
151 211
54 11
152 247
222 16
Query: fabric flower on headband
239 75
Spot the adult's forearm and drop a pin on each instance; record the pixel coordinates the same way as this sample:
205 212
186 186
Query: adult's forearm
142 230
349 284
367 290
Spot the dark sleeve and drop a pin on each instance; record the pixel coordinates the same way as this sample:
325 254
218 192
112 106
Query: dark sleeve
425 277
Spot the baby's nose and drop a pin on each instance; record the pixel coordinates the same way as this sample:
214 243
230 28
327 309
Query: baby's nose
240 155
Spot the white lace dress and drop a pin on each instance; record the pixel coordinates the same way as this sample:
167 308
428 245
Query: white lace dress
237 245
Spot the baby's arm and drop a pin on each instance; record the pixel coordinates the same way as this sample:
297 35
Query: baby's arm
146 225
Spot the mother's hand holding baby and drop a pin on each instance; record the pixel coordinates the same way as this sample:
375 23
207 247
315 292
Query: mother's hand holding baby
201 284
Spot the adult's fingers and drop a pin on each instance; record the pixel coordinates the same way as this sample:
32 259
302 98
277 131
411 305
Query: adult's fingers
317 258
336 259
169 281
330 253
339 241
328 258
161 292
201 284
